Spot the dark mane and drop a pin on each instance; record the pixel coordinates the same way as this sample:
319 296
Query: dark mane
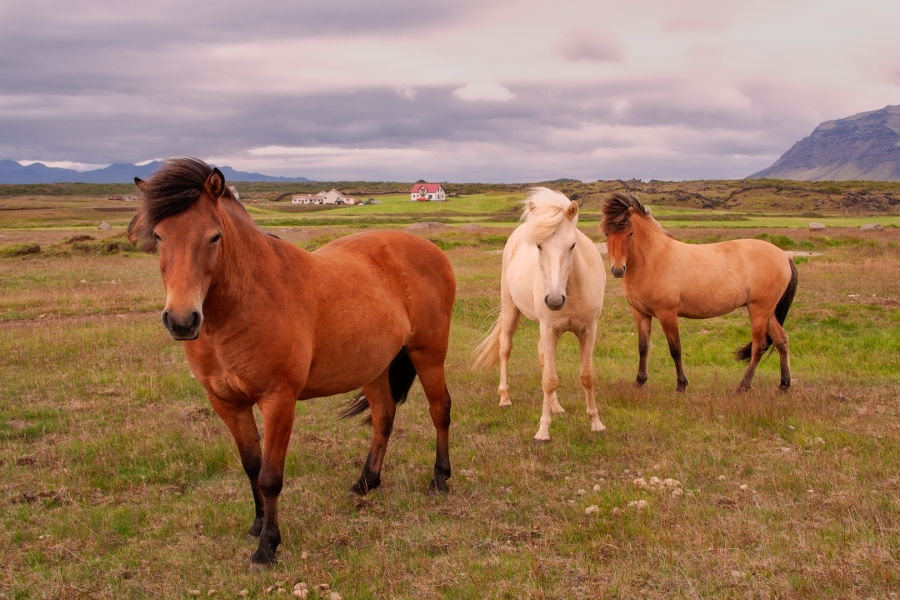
175 187
615 212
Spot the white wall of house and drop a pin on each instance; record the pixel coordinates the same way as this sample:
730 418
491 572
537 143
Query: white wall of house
428 192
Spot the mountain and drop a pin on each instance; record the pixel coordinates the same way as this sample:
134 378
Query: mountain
862 147
13 172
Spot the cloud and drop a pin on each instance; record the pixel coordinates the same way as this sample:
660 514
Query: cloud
493 92
590 46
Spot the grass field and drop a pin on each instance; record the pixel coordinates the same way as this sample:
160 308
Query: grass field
117 480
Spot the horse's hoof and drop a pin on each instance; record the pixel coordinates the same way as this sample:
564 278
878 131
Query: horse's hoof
435 488
638 384
261 561
357 490
255 529
680 389
539 442
598 427
506 405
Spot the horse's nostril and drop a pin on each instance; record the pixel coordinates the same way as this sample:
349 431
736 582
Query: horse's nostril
195 322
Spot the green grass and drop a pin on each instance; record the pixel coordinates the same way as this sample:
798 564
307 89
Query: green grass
118 481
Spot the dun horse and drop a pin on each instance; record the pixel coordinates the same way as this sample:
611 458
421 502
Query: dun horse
667 279
554 274
265 323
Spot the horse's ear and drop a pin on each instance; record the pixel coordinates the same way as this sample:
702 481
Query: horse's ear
572 210
531 206
215 184
630 211
139 182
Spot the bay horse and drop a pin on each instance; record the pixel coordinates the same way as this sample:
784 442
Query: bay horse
554 274
265 323
667 279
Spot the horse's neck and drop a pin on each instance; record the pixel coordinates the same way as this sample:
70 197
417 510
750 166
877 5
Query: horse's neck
650 243
247 265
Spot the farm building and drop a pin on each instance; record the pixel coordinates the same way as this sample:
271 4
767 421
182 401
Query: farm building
332 197
427 192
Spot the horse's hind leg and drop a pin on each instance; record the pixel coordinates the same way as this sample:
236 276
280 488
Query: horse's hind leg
382 408
643 323
242 425
669 323
780 339
586 347
758 325
430 368
509 322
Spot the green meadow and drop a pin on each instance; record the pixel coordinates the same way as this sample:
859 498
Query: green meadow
118 481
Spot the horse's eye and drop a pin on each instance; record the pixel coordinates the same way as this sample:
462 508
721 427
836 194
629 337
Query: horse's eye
156 237
539 247
216 238
573 247
630 234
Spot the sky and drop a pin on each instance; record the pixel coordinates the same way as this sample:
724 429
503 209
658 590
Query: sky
449 90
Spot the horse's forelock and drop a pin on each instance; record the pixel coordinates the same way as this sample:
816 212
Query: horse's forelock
172 189
544 211
615 212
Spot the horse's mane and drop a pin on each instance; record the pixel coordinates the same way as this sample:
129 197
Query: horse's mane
615 212
544 211
172 189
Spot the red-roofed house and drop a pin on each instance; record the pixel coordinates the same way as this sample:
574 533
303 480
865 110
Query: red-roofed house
427 192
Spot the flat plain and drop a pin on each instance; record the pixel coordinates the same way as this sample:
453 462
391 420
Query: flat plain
118 481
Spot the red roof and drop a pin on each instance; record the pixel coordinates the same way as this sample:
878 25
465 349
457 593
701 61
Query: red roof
428 188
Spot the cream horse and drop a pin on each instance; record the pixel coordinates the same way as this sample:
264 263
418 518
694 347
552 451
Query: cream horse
552 273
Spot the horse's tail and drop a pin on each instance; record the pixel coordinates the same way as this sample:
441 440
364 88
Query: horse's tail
488 350
781 311
401 374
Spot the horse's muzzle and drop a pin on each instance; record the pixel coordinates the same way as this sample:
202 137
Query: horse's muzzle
183 327
617 272
555 303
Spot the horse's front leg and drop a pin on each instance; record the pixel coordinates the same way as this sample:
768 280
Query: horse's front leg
669 323
586 347
555 407
549 380
278 420
643 322
242 425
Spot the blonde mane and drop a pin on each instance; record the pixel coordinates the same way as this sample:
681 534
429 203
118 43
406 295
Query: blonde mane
544 211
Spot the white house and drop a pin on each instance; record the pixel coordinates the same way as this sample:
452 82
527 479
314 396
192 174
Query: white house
332 197
427 192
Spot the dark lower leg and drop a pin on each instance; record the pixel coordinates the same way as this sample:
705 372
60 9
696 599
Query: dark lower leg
440 415
643 326
669 324
383 409
270 533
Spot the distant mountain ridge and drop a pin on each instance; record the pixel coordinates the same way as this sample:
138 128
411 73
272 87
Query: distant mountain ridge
864 147
13 172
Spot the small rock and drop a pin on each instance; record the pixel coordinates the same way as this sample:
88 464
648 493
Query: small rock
721 478
334 596
639 504
300 586
813 226
270 589
677 492
655 481
669 482
302 594
737 575
818 440
872 227
243 593
640 482
304 555
194 592
745 487
656 467
810 491
597 488
593 508
104 226
581 492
